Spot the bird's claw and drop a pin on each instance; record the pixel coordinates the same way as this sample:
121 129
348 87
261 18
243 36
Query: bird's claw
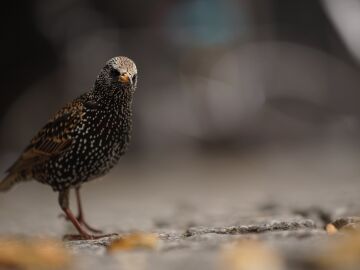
77 237
83 223
89 228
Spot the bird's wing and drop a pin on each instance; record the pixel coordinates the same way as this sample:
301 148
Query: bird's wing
54 138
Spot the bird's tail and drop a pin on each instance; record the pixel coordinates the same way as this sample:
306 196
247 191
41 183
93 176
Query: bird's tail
8 182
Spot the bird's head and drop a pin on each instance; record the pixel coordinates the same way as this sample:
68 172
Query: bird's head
117 76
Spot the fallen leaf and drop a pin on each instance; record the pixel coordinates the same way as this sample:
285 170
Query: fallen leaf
32 253
331 229
134 241
250 255
342 253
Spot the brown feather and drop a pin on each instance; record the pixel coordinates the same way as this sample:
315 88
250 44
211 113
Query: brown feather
54 138
9 182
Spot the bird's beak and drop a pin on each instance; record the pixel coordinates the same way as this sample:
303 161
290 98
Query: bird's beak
125 78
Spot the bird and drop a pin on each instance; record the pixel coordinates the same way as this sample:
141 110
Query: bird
82 141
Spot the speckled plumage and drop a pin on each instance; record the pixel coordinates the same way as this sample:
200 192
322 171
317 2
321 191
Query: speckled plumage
84 139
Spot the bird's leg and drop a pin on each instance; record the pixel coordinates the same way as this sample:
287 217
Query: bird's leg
64 204
80 216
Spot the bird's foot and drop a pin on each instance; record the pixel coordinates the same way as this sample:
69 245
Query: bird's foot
77 237
89 228
83 223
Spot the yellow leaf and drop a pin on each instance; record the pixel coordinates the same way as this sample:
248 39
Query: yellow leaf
33 253
250 255
342 253
331 229
134 241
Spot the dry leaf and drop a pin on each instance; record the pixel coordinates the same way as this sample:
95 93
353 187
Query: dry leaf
331 229
134 241
343 253
250 255
32 253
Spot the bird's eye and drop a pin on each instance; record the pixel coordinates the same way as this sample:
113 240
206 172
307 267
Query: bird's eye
134 79
115 73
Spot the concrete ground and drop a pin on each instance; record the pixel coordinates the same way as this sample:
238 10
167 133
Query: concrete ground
281 196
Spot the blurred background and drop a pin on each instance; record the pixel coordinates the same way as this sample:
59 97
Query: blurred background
239 99
214 74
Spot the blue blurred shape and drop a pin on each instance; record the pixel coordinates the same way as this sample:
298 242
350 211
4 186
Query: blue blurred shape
206 22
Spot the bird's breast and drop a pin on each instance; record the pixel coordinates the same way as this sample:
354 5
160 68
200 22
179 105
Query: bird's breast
103 131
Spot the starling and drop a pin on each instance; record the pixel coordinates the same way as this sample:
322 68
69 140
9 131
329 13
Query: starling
83 141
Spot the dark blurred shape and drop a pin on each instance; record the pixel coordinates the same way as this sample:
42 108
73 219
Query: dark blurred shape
228 74
26 54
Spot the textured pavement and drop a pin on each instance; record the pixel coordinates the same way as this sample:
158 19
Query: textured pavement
198 205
